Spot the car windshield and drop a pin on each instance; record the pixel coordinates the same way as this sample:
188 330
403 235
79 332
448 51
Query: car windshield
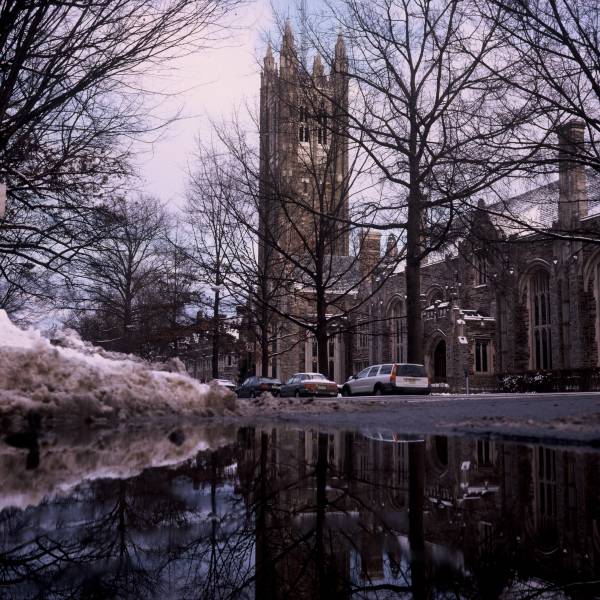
269 380
411 371
316 376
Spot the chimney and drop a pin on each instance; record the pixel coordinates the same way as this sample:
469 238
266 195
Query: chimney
572 199
369 251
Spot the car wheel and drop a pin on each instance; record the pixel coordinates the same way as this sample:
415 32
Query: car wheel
346 391
377 391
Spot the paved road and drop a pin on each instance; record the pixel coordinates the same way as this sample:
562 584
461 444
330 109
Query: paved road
566 417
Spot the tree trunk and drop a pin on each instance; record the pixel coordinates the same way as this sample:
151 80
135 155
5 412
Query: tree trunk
414 321
215 340
416 530
266 573
264 348
322 340
322 589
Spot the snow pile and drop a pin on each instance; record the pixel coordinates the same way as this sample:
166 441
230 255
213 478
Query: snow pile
69 457
76 381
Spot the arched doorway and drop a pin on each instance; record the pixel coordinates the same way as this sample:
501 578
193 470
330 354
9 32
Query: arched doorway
439 361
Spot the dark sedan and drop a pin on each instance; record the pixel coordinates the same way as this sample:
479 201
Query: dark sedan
255 386
309 384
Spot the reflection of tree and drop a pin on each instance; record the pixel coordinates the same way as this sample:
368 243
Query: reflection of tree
416 463
106 554
311 515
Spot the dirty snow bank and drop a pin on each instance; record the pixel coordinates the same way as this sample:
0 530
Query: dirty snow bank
268 405
77 381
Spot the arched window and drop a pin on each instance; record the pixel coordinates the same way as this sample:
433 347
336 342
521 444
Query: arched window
322 125
397 322
303 128
435 295
540 324
591 283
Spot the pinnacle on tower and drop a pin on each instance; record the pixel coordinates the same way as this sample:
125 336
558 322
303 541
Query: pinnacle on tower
288 51
288 36
318 70
340 51
269 59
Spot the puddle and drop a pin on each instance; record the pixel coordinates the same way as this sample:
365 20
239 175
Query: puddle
291 513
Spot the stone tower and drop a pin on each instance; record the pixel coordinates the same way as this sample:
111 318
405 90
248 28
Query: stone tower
303 152
303 192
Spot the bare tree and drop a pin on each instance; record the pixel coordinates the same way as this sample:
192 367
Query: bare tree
212 228
557 47
113 280
71 101
306 187
435 119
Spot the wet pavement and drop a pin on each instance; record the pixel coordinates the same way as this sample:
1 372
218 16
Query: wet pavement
296 512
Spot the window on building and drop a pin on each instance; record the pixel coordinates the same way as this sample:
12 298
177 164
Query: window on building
398 331
331 357
485 453
481 270
596 289
303 128
322 125
436 295
540 321
546 483
483 358
301 356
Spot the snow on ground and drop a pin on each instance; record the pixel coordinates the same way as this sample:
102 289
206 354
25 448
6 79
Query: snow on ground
77 381
67 458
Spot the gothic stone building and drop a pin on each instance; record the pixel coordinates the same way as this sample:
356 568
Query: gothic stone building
510 300
303 179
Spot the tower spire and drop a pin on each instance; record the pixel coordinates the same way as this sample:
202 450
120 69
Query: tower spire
340 59
288 56
303 17
269 62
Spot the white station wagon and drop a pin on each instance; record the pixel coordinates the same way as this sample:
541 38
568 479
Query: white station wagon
391 378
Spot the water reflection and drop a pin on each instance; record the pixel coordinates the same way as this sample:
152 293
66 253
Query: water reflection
283 513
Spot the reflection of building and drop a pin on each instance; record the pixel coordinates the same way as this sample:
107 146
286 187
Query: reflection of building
282 513
527 508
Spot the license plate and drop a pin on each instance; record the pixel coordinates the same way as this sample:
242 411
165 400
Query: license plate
322 387
410 380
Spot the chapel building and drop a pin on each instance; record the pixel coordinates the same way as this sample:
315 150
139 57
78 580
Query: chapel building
517 297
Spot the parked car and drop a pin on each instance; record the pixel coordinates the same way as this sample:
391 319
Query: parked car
255 386
309 384
395 378
226 383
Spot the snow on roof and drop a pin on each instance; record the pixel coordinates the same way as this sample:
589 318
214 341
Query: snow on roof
538 208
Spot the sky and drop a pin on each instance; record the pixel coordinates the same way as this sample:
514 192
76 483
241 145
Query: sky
208 86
